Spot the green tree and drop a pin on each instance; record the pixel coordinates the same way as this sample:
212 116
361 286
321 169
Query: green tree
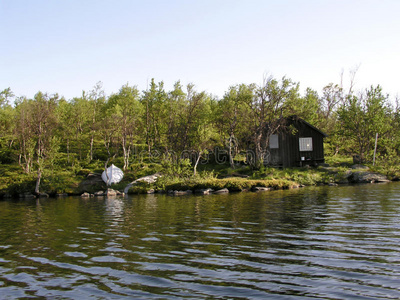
307 107
126 111
24 133
332 98
44 124
192 115
97 100
199 135
66 115
36 125
7 125
108 129
360 118
233 114
155 114
176 106
5 96
81 120
269 107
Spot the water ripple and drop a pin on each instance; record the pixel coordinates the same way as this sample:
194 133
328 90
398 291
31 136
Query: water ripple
312 243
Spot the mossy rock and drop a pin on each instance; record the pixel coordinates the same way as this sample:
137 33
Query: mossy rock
140 188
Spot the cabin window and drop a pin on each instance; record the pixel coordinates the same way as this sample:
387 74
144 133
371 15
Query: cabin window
273 141
305 144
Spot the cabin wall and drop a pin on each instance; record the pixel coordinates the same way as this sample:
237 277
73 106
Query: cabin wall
273 156
311 157
289 155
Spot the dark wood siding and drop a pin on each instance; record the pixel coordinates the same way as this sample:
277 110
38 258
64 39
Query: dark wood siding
289 154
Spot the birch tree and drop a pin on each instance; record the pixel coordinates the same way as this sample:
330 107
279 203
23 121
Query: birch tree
96 102
233 116
126 111
269 106
360 118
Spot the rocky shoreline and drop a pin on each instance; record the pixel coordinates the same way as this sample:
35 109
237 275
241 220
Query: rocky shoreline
107 193
357 174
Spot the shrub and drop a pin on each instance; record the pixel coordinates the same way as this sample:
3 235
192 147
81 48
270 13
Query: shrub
232 184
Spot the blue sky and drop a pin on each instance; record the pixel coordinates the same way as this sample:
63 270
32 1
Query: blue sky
68 46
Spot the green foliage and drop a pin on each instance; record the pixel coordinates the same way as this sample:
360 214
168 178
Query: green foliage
49 135
7 156
307 107
388 164
303 176
182 168
62 182
140 188
232 184
360 118
339 160
5 96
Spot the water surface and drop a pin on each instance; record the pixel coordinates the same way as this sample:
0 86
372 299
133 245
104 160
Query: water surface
312 243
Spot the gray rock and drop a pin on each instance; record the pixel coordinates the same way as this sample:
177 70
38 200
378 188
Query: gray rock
221 191
204 191
85 195
179 193
99 194
62 195
367 177
149 179
260 189
111 193
151 191
27 196
343 181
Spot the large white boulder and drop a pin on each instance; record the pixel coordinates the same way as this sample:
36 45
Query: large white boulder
113 175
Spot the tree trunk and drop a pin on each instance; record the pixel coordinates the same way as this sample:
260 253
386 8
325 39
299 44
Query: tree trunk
91 147
230 153
68 150
127 151
197 162
39 176
258 150
105 170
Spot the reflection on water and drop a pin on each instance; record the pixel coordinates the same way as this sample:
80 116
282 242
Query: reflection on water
325 243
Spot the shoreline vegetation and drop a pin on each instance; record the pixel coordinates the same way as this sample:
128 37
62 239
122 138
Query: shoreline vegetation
148 178
55 146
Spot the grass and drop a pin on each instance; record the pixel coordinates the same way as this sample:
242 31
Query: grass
74 180
338 160
232 184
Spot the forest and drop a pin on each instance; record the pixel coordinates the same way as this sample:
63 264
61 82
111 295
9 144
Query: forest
47 140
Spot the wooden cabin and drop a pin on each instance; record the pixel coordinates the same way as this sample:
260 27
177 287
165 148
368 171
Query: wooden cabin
298 143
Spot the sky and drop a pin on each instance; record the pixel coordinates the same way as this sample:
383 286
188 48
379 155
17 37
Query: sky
66 47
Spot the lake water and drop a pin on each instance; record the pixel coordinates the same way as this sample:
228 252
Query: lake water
310 243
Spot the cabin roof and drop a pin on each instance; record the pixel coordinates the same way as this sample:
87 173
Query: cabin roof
298 119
